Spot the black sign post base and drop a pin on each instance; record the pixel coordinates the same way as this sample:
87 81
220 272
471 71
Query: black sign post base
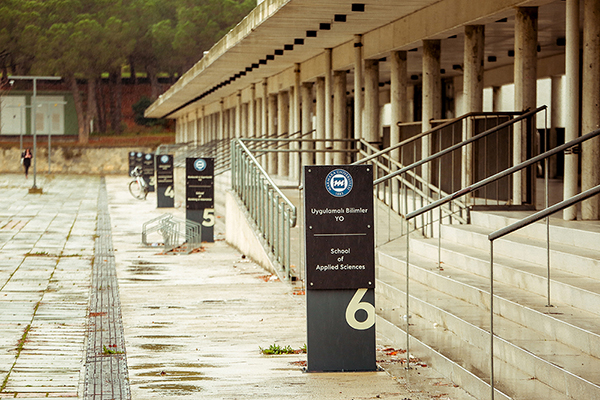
333 345
200 216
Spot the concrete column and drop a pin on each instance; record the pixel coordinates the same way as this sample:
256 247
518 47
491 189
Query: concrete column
307 102
265 120
399 109
209 127
358 85
570 187
432 95
496 98
214 127
258 117
525 91
244 127
283 124
201 129
195 134
226 124
328 105
340 116
371 132
272 132
265 109
555 107
252 112
230 133
590 107
320 157
398 96
205 127
295 123
199 126
221 121
238 115
472 92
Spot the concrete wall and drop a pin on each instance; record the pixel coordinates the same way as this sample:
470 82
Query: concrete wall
241 234
74 160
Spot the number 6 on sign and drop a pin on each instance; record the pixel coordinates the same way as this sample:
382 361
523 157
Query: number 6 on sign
355 305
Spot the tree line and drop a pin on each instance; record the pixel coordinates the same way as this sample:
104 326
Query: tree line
83 40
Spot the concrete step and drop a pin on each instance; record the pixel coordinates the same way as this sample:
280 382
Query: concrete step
566 288
556 365
585 234
566 324
577 260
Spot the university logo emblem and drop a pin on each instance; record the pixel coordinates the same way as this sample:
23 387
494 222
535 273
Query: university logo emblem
338 183
148 156
164 159
200 164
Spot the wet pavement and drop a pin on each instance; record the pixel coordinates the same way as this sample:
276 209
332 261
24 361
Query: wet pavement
190 326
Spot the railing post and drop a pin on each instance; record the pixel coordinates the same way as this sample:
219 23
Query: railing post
407 296
492 319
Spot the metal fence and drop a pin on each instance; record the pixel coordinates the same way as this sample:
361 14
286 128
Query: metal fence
272 212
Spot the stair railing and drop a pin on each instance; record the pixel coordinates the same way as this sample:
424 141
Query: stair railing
272 212
433 177
444 199
495 235
543 214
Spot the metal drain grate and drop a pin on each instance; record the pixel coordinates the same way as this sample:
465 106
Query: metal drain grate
106 374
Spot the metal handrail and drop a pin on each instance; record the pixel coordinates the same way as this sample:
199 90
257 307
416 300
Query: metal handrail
267 178
272 212
506 172
461 144
454 196
545 213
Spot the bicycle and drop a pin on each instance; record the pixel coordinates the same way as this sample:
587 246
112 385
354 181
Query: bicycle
138 187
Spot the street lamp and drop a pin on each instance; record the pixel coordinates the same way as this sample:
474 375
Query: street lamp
34 188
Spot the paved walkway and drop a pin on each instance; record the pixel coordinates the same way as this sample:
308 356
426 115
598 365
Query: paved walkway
193 325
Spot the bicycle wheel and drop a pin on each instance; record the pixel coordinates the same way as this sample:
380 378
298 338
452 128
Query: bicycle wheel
136 190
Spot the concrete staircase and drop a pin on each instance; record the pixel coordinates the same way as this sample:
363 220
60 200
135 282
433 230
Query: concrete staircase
540 352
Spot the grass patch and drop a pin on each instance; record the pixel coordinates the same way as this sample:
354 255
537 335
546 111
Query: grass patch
108 351
275 349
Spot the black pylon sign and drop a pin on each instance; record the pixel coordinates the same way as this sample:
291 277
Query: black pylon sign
340 267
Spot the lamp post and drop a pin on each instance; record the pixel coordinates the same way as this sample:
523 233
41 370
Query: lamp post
34 188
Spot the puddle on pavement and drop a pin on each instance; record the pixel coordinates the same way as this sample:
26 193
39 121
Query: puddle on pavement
142 262
161 347
176 365
220 301
180 389
142 280
145 270
163 336
178 376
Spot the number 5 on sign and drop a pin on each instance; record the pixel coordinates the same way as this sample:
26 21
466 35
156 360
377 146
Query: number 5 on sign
355 305
208 217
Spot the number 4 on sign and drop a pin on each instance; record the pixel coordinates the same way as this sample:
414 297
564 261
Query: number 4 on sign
169 192
355 305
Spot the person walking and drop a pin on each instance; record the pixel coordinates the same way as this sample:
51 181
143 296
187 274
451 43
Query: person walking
26 156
